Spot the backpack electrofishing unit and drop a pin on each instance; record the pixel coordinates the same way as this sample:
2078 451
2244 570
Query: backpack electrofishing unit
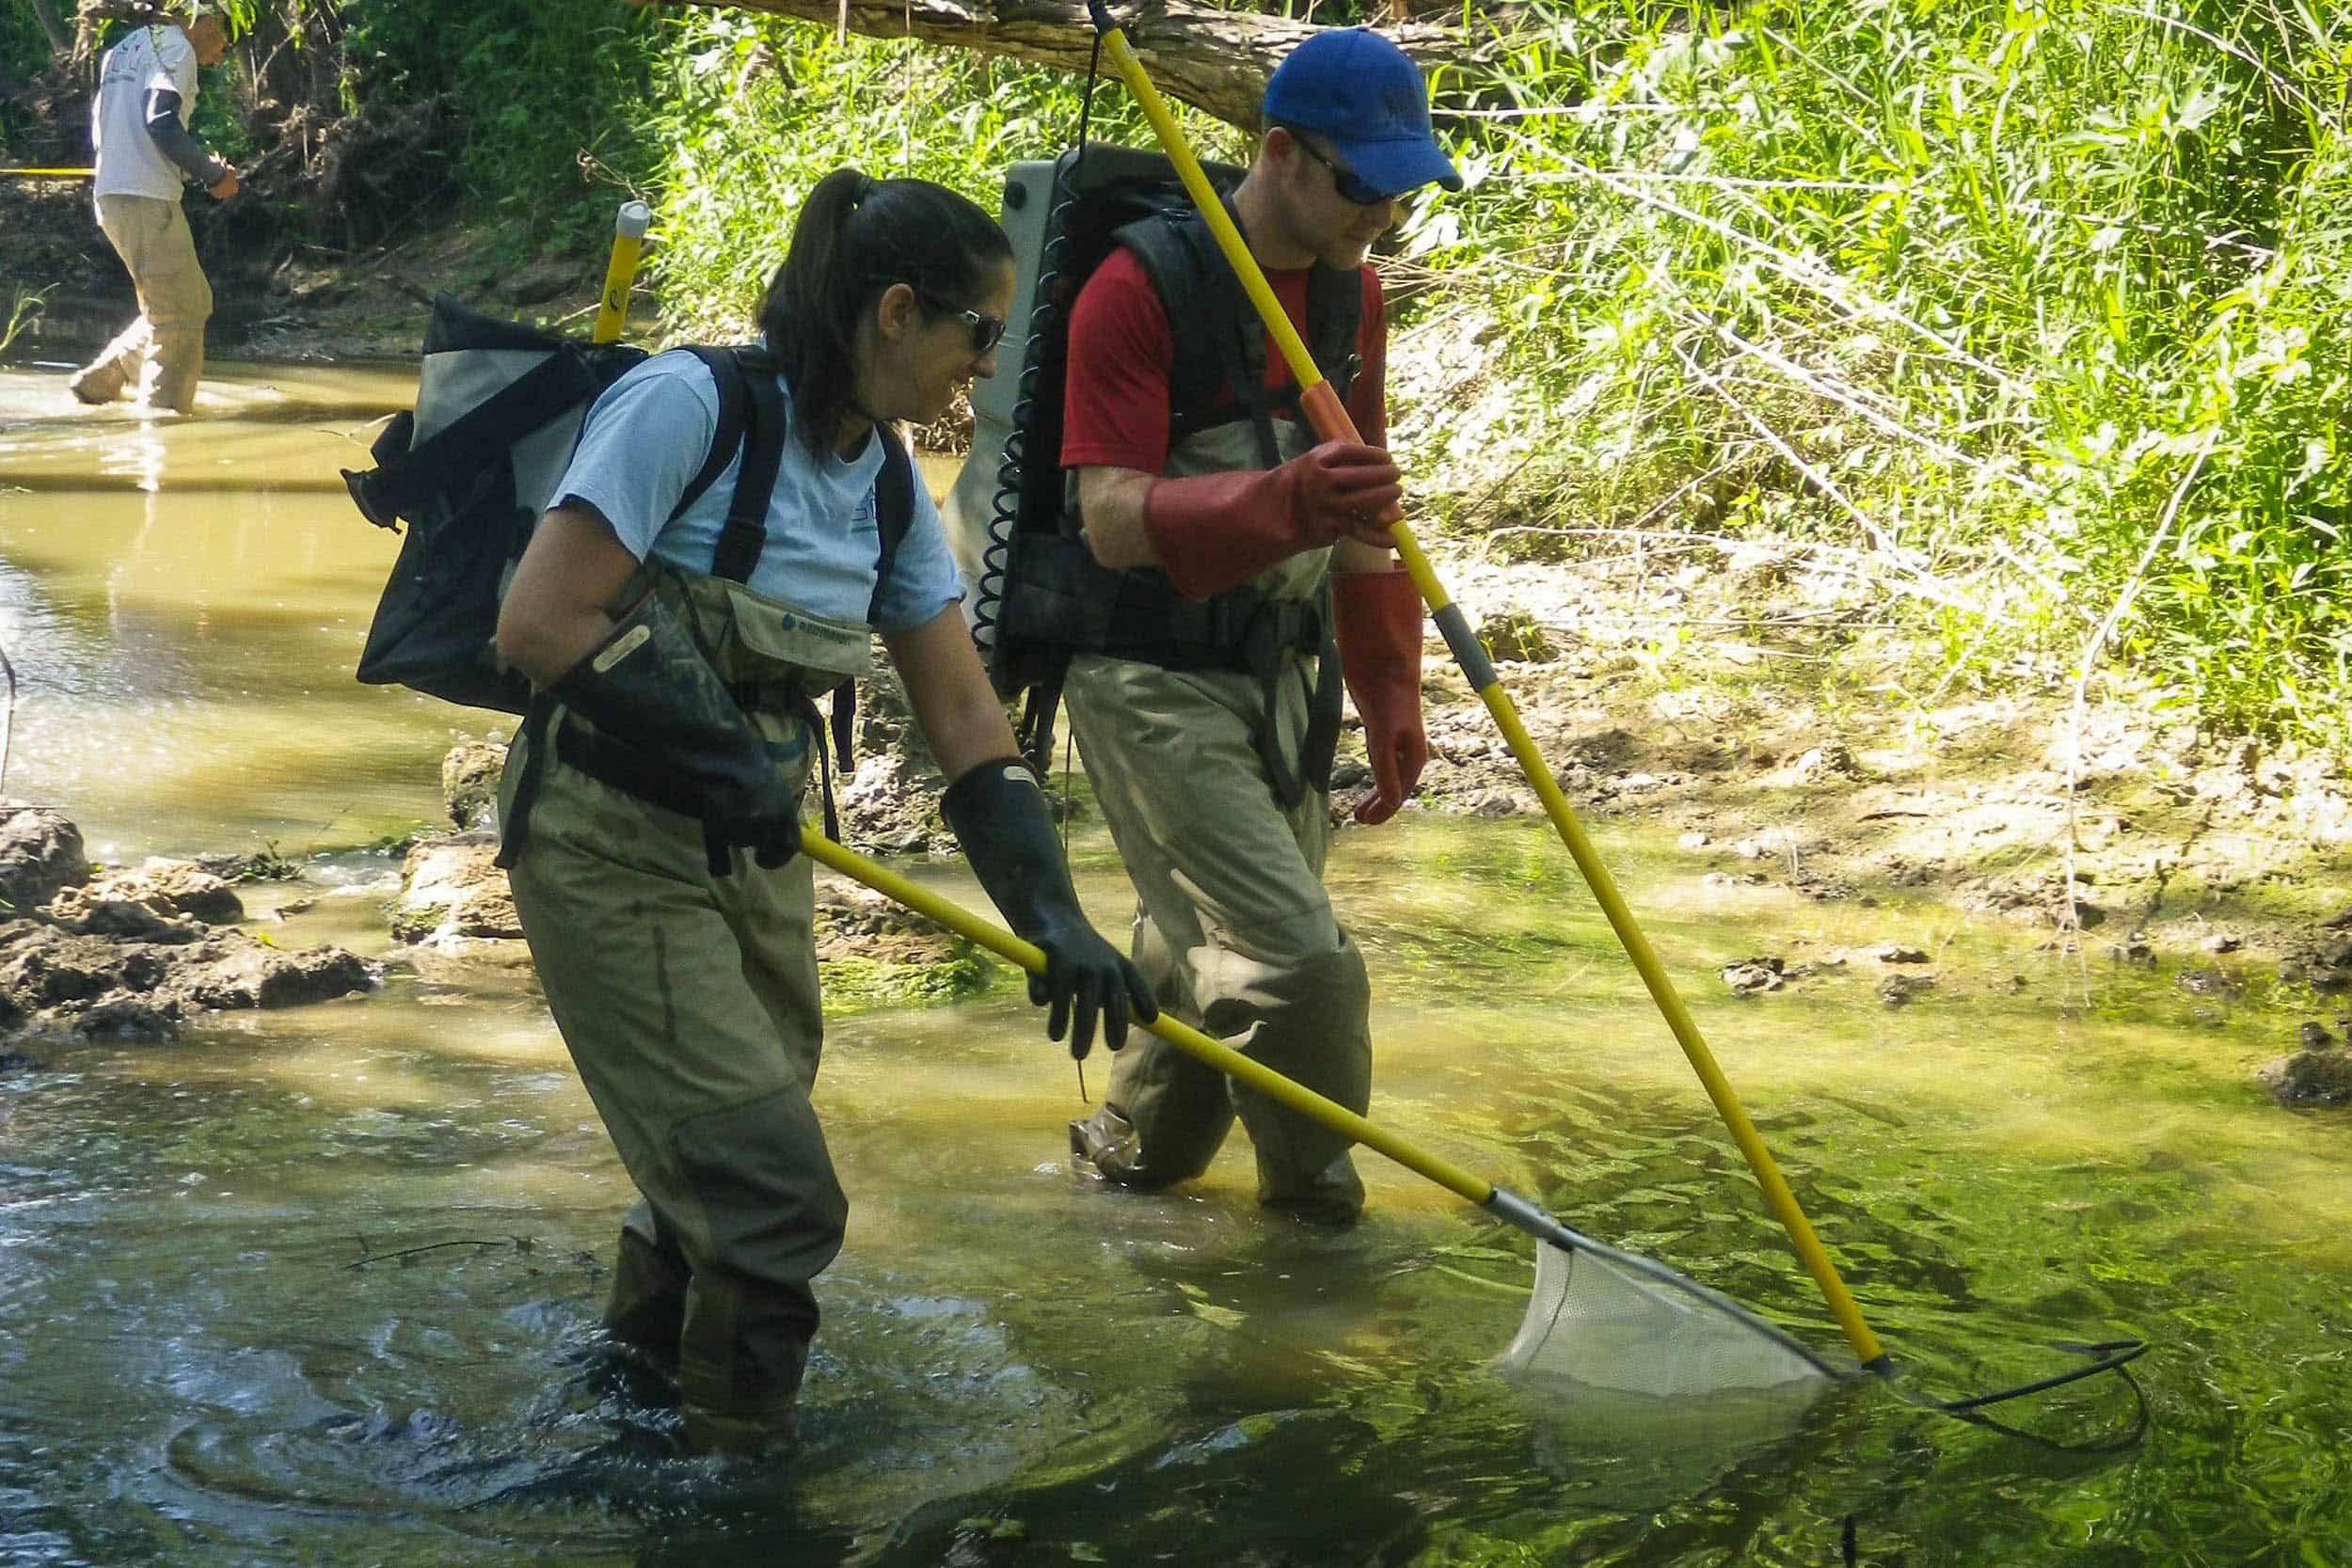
1035 594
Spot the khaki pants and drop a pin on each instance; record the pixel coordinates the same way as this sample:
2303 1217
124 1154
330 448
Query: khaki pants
689 1004
159 356
1233 927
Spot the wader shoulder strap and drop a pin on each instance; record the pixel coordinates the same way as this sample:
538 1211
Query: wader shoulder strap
894 512
745 531
1195 285
1335 316
734 401
532 735
752 415
1220 345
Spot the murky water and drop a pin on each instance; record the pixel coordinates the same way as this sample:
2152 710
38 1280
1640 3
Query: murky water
319 1286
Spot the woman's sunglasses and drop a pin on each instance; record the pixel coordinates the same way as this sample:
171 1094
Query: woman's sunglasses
1346 181
986 331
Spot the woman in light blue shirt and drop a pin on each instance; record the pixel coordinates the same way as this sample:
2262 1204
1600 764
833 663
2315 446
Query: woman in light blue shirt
661 779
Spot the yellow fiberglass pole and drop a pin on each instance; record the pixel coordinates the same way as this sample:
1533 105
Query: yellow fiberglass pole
51 173
1331 422
628 241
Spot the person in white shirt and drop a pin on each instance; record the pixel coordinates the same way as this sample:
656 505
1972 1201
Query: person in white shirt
139 128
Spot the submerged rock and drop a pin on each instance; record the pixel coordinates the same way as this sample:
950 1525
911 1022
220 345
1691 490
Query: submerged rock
887 792
890 806
2308 1078
129 954
1514 638
1755 974
1897 990
855 922
470 785
453 892
233 970
165 901
174 889
84 911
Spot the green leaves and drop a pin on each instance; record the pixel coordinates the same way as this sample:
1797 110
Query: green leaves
2024 257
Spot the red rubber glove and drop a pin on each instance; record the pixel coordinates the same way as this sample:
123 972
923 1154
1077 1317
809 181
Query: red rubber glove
1215 532
1380 632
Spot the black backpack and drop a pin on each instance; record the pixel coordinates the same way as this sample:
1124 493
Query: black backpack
498 411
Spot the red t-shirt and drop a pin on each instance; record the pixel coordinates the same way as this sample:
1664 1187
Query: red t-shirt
1121 356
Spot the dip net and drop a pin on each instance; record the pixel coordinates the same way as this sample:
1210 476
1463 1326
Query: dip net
1613 1321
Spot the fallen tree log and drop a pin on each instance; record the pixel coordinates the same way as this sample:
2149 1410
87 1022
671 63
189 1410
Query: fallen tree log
1216 60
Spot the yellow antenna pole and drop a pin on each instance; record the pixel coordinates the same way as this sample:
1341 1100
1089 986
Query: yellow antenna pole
628 241
1329 417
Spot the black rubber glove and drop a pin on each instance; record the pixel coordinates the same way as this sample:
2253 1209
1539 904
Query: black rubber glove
999 814
688 746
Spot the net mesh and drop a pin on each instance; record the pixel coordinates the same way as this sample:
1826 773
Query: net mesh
1608 1320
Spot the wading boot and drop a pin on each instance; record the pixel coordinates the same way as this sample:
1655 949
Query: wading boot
1331 1199
741 1363
646 1310
635 1362
96 384
1104 1145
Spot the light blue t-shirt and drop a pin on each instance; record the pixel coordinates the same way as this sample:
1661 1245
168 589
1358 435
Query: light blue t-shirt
645 439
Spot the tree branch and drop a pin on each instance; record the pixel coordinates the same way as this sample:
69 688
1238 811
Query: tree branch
1218 61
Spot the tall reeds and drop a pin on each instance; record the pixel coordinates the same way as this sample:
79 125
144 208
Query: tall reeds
1964 286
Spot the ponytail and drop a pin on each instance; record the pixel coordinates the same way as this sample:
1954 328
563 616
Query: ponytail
855 237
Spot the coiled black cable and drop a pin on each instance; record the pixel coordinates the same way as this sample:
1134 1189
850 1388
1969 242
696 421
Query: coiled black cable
1004 519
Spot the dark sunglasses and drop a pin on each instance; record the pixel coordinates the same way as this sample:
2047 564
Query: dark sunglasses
986 331
1346 181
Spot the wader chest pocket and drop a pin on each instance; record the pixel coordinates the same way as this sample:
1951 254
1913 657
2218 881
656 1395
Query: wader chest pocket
766 642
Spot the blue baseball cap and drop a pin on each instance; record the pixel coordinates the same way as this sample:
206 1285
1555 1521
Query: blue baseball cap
1361 93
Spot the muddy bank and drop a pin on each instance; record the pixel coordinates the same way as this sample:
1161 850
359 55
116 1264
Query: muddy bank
2122 834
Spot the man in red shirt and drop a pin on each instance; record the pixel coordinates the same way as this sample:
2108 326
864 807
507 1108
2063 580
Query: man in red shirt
1211 756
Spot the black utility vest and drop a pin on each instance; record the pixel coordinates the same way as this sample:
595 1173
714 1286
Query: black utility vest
1220 420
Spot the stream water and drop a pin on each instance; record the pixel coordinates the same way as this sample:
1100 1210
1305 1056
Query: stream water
321 1286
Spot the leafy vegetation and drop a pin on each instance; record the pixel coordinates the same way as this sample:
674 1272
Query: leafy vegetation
548 100
753 110
2020 319
2028 315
